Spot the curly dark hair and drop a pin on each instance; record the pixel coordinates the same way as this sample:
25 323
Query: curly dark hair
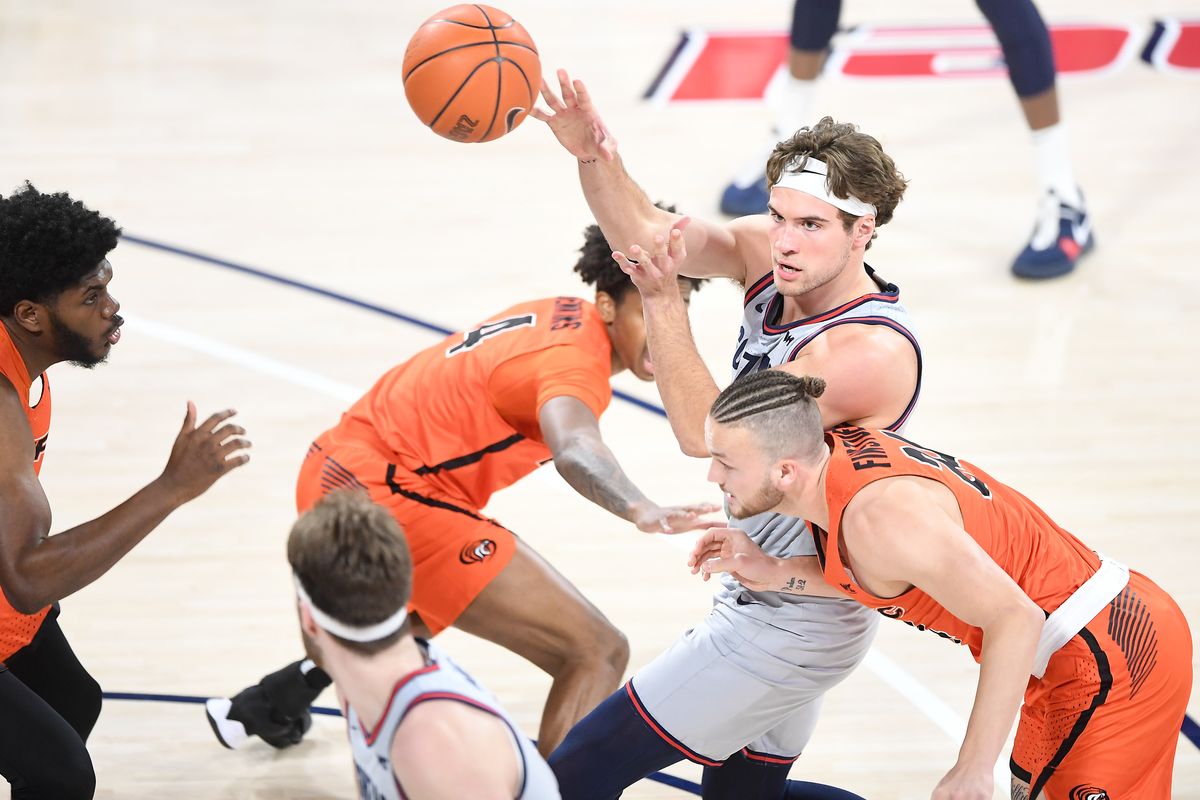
857 166
597 268
48 243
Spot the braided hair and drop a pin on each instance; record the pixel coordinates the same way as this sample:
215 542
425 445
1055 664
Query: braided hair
779 407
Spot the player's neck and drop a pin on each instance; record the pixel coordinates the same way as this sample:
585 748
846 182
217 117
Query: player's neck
367 682
36 360
852 283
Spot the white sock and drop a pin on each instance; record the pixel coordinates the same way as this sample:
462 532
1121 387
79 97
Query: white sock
791 102
1052 156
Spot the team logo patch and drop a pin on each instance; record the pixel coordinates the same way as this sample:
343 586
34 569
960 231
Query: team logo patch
1088 793
477 552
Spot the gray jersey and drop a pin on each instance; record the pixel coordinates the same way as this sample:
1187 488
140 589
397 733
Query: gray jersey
752 674
762 345
440 679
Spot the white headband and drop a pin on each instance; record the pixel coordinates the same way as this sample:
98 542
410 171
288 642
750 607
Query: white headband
811 179
369 633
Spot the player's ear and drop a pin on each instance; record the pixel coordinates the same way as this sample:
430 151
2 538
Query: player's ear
864 229
307 623
787 474
607 307
30 315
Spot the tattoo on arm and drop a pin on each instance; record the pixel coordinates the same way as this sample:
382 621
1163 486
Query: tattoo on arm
1020 791
593 471
794 584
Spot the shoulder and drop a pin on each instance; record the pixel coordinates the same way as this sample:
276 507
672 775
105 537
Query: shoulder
878 509
867 341
441 738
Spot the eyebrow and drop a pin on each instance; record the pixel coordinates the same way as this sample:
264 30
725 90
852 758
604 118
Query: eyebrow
809 218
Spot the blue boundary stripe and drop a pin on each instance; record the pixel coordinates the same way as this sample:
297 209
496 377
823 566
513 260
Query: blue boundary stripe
659 777
341 298
1190 729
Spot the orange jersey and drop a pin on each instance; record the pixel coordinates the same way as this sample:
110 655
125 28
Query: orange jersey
17 629
12 366
463 414
1047 562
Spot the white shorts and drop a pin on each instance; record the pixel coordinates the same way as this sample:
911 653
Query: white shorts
738 681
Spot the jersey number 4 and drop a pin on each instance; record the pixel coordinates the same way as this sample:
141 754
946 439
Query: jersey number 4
942 461
475 337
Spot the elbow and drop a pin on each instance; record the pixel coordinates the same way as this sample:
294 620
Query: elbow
695 449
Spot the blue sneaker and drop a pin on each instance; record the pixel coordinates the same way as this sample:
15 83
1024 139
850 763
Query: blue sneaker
1062 235
740 202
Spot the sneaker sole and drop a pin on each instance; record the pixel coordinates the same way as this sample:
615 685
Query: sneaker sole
230 733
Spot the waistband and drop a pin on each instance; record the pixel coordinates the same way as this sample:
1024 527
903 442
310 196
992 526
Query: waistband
1079 609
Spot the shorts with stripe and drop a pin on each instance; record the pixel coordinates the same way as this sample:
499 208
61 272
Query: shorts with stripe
456 550
1104 719
740 683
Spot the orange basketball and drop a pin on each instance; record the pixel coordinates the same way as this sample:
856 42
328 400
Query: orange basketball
471 73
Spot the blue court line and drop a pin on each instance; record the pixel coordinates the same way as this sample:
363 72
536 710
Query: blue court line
341 298
1189 729
660 777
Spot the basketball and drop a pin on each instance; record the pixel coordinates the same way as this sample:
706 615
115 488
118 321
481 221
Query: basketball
471 73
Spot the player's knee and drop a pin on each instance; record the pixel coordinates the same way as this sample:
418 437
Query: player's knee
611 647
597 645
83 708
71 778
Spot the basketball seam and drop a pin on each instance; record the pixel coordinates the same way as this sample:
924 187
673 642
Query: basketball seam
499 75
488 27
457 91
524 77
463 47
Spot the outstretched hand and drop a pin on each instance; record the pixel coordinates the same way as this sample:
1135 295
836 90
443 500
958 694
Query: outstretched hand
656 272
724 549
203 453
574 120
676 519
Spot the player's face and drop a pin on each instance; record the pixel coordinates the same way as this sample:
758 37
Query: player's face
84 319
740 469
627 330
809 244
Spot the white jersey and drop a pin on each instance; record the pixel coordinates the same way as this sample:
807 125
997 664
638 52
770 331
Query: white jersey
763 344
752 675
441 679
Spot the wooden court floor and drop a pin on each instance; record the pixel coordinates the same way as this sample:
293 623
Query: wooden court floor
274 135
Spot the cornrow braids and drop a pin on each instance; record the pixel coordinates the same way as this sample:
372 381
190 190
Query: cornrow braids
764 391
778 408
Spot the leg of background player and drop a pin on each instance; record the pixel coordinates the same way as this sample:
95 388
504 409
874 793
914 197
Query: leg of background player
1062 232
813 25
742 778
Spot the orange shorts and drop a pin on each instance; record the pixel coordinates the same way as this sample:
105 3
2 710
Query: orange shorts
1104 720
456 551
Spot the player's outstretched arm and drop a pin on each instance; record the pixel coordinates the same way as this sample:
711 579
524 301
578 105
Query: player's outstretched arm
939 557
686 386
730 550
621 208
572 433
447 750
37 569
